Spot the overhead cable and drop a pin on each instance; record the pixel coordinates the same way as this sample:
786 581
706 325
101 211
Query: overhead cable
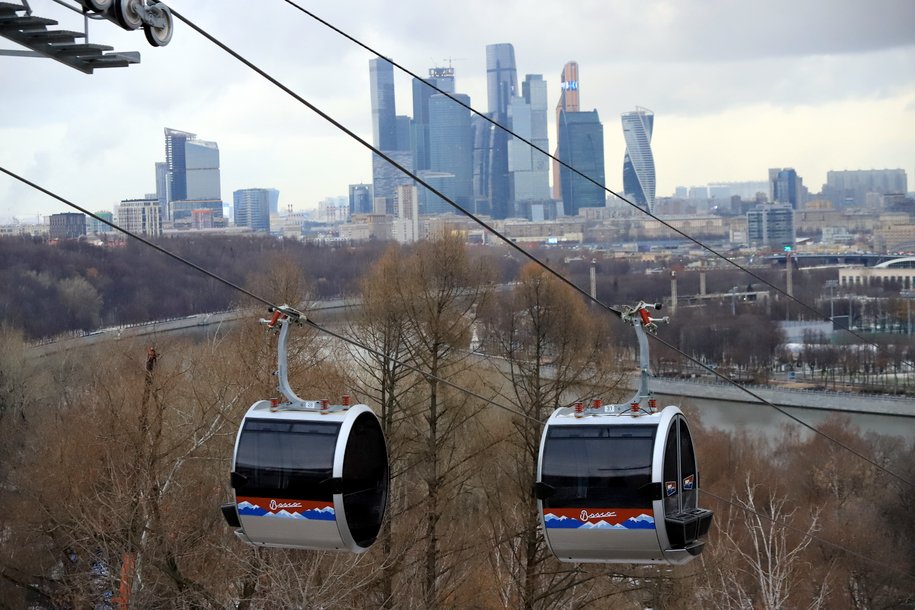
508 241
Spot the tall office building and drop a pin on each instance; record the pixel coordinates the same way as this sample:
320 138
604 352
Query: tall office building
771 226
492 183
443 79
638 164
450 153
390 134
528 167
581 145
360 199
851 187
192 175
384 120
252 209
501 78
568 102
785 186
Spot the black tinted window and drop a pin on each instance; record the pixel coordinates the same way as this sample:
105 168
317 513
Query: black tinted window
689 482
671 489
598 466
286 459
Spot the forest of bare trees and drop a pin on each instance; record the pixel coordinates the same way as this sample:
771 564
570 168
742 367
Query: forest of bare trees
75 287
114 461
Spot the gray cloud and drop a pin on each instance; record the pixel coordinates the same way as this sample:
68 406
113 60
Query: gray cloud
98 136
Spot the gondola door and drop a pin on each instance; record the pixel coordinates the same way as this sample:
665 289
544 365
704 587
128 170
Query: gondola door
685 522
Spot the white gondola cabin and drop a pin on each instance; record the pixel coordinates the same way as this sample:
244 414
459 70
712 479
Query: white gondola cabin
307 474
620 483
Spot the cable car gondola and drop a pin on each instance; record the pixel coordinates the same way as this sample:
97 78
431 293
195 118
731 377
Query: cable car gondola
620 483
307 474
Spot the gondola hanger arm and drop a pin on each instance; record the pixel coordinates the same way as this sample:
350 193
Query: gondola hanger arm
282 316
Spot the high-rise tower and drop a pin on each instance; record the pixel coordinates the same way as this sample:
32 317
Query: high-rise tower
384 122
390 133
492 187
638 165
450 152
785 186
501 78
252 209
529 169
443 79
581 145
192 175
568 102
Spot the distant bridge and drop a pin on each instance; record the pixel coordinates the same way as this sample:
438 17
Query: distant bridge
170 325
818 260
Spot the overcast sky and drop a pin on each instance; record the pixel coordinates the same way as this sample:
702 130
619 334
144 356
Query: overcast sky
737 86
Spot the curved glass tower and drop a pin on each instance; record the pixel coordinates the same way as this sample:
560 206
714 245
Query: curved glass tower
638 166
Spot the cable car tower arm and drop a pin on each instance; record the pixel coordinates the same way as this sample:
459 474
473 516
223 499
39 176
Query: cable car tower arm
639 318
282 316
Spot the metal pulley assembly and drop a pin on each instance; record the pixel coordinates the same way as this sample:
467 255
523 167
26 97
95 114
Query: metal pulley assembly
154 17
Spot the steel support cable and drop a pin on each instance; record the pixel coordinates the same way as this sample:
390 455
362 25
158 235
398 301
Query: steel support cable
505 239
354 343
654 217
256 297
813 537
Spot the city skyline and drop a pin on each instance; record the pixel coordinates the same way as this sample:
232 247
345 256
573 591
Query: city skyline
832 90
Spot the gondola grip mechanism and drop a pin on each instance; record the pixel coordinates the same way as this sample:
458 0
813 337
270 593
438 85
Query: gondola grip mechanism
282 316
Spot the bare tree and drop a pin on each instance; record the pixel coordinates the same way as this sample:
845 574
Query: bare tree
385 378
440 291
550 351
768 558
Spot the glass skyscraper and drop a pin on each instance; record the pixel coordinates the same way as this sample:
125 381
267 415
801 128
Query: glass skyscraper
192 175
528 167
384 121
360 199
638 165
390 133
785 186
501 78
491 173
450 153
252 209
581 145
442 78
